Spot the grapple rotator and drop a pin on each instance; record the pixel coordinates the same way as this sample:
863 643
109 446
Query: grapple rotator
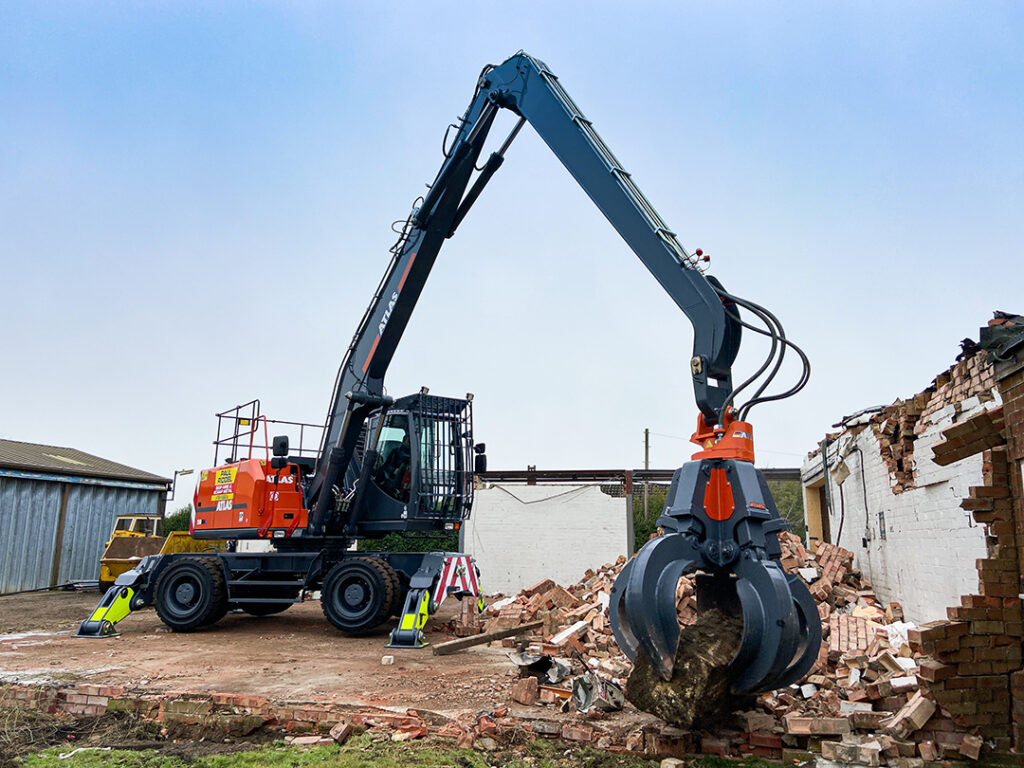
720 523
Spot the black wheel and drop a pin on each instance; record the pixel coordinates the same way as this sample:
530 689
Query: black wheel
357 594
264 609
396 587
191 593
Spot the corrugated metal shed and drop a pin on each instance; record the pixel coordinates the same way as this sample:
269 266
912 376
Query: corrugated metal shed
57 506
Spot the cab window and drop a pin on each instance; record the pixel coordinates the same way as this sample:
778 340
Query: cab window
393 471
146 525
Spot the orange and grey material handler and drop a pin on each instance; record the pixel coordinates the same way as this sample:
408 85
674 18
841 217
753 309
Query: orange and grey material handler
720 519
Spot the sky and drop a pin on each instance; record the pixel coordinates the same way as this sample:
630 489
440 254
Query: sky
196 204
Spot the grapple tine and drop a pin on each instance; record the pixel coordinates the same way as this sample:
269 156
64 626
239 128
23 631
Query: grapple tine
649 600
619 615
771 630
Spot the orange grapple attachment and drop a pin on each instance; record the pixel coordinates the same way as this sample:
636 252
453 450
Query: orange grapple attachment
720 520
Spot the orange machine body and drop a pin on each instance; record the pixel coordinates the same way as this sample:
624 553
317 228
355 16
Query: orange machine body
248 500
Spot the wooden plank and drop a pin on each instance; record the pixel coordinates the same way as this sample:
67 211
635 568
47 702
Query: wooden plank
443 649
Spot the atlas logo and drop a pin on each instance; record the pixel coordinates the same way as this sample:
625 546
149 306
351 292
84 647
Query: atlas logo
387 313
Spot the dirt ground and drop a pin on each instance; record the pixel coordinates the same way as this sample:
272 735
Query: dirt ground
295 655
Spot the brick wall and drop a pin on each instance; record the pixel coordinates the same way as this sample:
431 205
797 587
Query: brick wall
897 509
1012 390
903 542
942 482
979 647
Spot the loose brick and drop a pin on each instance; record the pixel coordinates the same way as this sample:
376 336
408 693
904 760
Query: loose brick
576 732
525 691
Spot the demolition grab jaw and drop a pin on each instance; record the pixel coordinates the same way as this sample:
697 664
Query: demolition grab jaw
721 524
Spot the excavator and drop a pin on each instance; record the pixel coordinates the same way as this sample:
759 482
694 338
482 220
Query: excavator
406 464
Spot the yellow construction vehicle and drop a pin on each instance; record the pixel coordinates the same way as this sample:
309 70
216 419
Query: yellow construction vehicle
136 536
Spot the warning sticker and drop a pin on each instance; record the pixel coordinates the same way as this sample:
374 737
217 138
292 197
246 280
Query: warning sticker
222 496
226 476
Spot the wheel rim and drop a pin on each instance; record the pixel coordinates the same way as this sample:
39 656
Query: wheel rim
184 595
355 597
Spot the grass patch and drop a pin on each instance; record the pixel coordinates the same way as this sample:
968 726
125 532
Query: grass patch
24 731
363 751
368 751
34 740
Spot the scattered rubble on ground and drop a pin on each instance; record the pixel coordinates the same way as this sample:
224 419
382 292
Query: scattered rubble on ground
878 693
865 701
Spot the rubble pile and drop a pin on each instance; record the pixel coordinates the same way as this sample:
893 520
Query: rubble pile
867 700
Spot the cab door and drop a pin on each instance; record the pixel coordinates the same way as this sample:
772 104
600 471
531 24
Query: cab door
394 472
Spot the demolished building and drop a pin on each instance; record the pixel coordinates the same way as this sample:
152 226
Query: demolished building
927 494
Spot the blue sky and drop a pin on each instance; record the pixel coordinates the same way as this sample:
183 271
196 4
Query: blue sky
196 208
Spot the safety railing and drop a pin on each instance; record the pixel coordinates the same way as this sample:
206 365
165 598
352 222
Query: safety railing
243 432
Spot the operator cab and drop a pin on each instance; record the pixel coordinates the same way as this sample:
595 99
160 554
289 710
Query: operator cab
422 459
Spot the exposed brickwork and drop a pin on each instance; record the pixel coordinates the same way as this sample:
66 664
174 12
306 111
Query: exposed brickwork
971 417
979 646
970 437
898 426
191 715
1007 469
973 376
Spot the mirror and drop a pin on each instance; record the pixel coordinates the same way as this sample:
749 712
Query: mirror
480 463
281 445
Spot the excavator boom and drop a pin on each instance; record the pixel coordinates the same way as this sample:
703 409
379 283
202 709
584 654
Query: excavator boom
525 86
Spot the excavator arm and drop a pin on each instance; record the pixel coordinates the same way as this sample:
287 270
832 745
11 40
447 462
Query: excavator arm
720 521
526 87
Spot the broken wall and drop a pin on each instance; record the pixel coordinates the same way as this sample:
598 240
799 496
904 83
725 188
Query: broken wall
973 413
895 507
1009 468
522 534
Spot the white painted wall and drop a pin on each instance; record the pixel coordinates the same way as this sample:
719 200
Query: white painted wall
927 559
522 534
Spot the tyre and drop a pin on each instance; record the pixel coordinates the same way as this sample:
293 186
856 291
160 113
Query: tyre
358 594
396 587
264 609
191 593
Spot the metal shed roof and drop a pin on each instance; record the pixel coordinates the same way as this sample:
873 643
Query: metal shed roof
32 457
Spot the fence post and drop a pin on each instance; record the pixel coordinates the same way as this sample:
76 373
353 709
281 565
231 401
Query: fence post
630 536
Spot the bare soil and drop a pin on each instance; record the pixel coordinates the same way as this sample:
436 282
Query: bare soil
295 655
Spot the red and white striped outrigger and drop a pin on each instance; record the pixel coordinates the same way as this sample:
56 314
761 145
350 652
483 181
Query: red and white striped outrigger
459 578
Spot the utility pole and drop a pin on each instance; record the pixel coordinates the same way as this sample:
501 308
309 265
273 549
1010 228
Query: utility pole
647 465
